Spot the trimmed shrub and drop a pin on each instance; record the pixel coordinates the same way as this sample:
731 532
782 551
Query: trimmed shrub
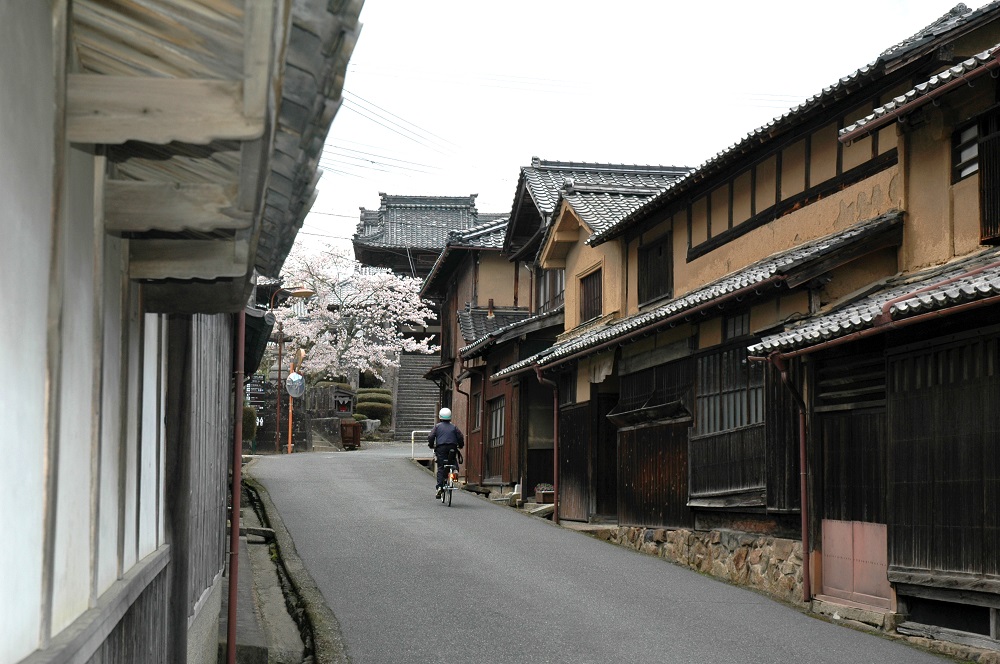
374 390
375 398
358 417
374 411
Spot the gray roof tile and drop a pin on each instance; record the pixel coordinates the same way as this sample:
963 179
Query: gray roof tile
476 322
483 340
975 64
861 314
416 222
545 179
756 274
487 235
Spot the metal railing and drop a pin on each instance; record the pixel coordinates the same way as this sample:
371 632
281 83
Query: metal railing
413 441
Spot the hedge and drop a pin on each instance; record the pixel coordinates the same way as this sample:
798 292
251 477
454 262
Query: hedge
375 411
373 390
375 398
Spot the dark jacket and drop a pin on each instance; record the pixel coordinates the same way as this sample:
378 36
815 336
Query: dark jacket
445 434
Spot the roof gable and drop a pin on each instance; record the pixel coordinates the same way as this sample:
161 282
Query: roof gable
539 185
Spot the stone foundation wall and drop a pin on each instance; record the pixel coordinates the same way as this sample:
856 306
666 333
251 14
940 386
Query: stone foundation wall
769 564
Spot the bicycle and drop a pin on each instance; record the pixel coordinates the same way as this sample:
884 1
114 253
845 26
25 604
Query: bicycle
451 475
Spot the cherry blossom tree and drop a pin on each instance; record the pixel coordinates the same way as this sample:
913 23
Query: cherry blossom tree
358 318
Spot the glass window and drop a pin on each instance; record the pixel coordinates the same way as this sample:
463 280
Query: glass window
590 296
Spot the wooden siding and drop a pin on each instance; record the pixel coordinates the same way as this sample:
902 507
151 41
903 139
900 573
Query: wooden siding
574 443
210 426
604 455
729 463
851 429
141 634
653 476
944 476
781 422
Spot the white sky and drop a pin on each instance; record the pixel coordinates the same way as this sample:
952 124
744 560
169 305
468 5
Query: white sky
451 97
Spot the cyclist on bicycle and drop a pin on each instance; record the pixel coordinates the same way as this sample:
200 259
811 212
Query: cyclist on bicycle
445 439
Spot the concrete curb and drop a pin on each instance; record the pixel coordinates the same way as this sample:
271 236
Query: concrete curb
328 641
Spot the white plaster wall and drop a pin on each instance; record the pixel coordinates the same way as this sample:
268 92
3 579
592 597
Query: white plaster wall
111 412
72 561
148 463
131 437
26 143
162 426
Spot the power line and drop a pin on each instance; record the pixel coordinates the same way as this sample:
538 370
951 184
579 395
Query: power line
332 150
330 159
360 110
387 112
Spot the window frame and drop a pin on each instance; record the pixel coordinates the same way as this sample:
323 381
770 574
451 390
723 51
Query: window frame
729 388
594 300
497 429
477 411
960 141
664 277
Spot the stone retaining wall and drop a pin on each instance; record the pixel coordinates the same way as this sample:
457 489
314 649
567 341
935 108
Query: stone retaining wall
770 564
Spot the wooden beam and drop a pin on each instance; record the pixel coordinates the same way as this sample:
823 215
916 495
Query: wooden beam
134 207
116 109
258 28
188 259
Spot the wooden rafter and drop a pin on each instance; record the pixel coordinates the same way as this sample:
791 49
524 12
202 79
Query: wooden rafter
144 206
188 259
116 109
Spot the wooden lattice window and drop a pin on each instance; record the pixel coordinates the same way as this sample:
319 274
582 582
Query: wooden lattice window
655 273
590 296
730 391
496 433
989 177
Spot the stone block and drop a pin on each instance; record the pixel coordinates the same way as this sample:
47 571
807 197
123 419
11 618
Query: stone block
660 535
783 548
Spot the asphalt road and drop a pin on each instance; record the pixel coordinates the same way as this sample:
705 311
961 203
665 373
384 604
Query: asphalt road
411 580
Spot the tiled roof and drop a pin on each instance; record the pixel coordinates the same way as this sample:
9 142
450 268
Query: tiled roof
485 339
599 206
476 322
958 17
861 314
974 66
416 222
488 235
761 273
545 179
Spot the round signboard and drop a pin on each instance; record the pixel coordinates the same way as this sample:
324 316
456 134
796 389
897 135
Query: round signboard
295 385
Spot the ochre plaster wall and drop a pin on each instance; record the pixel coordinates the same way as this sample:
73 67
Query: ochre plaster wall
582 260
942 218
864 200
496 280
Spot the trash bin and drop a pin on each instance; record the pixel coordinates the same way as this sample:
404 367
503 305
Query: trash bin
350 433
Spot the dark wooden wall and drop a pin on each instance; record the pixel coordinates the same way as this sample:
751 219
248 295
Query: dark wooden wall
851 431
944 463
574 445
653 476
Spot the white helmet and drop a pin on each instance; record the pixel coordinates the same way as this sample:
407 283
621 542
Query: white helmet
445 413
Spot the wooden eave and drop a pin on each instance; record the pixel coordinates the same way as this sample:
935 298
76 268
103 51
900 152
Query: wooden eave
208 118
